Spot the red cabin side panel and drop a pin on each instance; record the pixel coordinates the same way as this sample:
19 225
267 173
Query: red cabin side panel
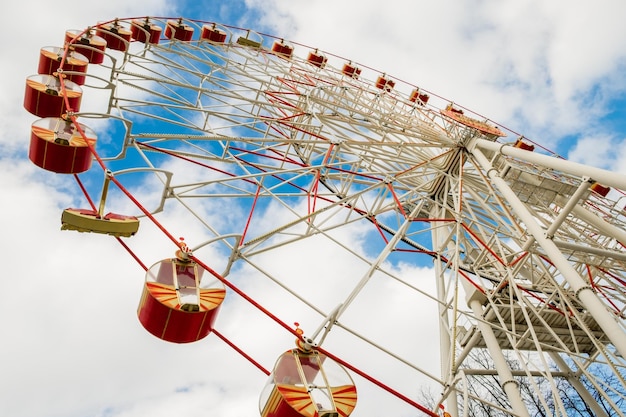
351 70
179 31
281 49
84 45
153 315
417 94
42 96
277 406
50 59
316 59
523 145
172 324
116 37
214 35
62 159
63 154
600 189
385 83
145 32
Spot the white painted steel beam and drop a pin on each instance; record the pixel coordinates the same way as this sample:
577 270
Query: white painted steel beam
582 290
505 375
602 176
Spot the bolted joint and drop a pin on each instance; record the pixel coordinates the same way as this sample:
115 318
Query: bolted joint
510 381
578 291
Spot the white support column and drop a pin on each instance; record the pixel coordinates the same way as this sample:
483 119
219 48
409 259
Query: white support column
580 287
445 343
505 376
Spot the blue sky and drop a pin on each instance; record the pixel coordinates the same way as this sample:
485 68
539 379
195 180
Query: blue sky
552 71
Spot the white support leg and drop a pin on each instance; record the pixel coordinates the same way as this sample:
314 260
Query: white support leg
508 383
580 287
602 176
445 343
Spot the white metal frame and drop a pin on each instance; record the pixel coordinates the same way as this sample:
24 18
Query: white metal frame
515 235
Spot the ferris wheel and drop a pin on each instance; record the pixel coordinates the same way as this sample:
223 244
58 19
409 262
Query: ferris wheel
402 228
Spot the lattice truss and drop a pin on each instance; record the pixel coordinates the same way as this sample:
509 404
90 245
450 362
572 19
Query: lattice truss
328 150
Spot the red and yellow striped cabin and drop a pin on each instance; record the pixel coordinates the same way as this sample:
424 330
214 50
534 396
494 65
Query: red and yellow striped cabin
300 386
180 301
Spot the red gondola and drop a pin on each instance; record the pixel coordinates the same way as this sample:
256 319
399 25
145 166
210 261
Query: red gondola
306 383
50 58
519 143
180 300
178 30
57 146
600 189
418 95
212 34
43 96
146 32
351 70
316 58
384 83
116 36
90 45
282 49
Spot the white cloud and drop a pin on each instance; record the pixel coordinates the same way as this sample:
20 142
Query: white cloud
532 66
597 150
